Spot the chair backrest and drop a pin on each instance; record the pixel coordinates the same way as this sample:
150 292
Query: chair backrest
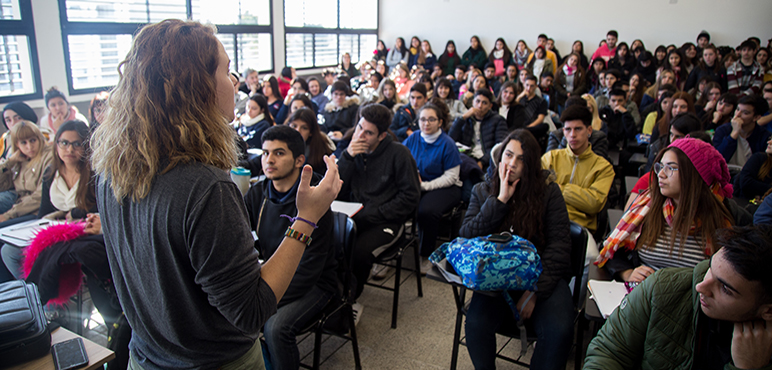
579 237
344 234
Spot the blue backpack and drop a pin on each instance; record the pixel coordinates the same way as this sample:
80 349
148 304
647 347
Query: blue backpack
497 262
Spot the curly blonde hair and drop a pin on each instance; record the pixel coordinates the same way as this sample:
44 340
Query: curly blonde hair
163 112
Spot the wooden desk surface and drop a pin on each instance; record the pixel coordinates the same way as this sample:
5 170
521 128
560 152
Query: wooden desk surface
97 355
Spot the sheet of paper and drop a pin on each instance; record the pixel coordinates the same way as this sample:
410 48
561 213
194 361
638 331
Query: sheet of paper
607 295
348 208
22 234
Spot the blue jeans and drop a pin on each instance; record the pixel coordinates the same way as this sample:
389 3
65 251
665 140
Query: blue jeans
281 329
7 200
552 321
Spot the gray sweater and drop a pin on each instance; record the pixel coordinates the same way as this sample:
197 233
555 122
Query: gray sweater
186 270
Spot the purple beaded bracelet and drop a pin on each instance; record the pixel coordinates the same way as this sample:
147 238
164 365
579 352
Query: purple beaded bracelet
298 218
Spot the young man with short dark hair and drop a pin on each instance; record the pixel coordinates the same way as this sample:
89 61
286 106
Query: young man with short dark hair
315 281
535 108
745 76
490 77
406 119
548 92
608 50
480 128
620 123
739 138
381 174
717 315
542 41
584 177
459 78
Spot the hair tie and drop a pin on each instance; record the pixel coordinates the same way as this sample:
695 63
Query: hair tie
298 218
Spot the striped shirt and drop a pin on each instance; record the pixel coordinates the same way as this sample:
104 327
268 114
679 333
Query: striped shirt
660 257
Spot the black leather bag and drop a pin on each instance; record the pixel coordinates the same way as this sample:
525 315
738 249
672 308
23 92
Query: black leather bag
24 334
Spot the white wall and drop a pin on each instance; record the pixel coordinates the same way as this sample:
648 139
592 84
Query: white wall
654 21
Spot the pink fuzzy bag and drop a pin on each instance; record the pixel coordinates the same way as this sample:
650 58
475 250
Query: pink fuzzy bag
70 276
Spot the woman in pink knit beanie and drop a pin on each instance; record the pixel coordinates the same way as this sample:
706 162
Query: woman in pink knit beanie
672 224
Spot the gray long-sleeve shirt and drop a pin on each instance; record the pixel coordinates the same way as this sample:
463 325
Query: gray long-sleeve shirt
186 270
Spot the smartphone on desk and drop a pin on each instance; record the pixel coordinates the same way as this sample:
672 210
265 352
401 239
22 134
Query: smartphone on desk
70 354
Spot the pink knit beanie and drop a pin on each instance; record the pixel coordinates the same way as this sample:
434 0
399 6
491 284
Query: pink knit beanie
708 162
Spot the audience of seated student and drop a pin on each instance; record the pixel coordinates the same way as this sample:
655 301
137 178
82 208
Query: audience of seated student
449 59
475 82
251 85
403 81
509 108
329 76
316 94
439 168
413 50
673 224
500 57
510 74
709 317
708 99
368 93
660 53
254 121
767 95
521 54
475 56
59 112
541 40
348 67
540 65
285 80
584 177
597 123
520 198
425 57
398 54
550 46
598 139
340 112
666 77
386 183
745 76
622 61
681 125
387 94
13 114
664 104
570 79
762 57
689 54
458 79
299 88
708 66
741 137
646 67
444 91
381 51
491 79
97 110
721 113
405 120
67 188
696 91
535 108
608 50
596 76
270 204
21 175
317 144
429 84
548 92
681 103
648 108
620 124
638 85
755 179
578 48
728 58
272 95
601 96
480 128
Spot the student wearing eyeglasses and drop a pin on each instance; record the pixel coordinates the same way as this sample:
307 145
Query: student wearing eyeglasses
673 223
439 168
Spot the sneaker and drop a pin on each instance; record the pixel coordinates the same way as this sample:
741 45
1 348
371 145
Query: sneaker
357 309
426 265
380 272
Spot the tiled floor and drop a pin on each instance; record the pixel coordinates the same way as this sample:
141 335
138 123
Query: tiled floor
422 340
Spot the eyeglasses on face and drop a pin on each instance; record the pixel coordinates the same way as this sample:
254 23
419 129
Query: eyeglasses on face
64 144
669 171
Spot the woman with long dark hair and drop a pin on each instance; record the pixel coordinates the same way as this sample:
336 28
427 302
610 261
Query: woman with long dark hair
570 79
540 64
578 48
721 112
381 51
413 50
449 59
397 54
444 90
675 62
521 54
255 121
318 144
622 61
272 95
682 103
475 55
709 66
756 177
521 199
500 56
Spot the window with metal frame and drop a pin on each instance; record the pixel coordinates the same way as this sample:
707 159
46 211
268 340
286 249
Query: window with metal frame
97 34
19 67
318 32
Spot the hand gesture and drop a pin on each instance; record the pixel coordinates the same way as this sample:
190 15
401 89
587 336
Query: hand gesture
58 119
737 124
93 224
314 201
620 109
637 275
471 111
710 105
506 190
752 344
716 117
335 135
357 147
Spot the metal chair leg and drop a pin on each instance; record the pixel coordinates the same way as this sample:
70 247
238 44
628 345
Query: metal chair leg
397 281
417 263
354 341
317 346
